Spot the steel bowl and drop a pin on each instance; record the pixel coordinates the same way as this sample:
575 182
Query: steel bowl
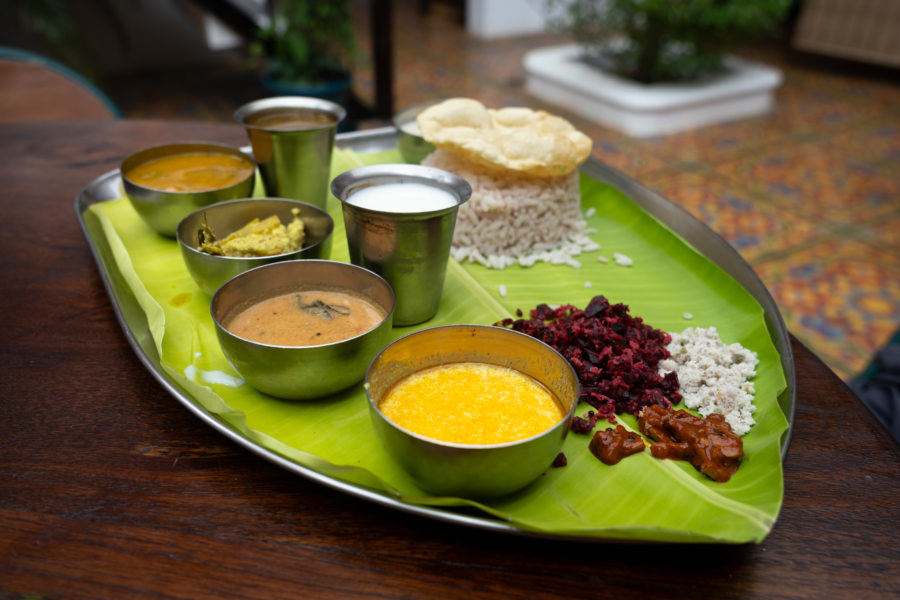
300 372
413 147
466 470
211 271
163 210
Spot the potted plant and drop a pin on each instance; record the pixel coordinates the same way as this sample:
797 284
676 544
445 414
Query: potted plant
651 41
656 67
306 49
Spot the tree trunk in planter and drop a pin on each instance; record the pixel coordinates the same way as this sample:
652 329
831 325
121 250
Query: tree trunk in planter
650 49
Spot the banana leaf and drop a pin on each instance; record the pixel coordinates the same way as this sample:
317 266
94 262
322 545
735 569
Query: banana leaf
641 498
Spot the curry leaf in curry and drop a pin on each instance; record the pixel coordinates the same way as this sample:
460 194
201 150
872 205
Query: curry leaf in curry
321 309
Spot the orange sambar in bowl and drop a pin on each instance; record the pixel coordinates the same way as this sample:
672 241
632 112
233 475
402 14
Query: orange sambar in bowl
191 172
306 318
472 403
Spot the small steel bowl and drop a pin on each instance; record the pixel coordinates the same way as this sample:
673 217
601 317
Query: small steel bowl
301 372
466 470
163 210
413 147
211 271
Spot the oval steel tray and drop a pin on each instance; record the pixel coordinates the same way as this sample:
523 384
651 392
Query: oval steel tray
702 238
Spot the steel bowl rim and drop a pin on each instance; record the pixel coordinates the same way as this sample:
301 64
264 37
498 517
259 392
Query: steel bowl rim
388 314
401 172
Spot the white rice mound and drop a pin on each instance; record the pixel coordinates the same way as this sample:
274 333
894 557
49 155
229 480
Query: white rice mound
713 377
514 218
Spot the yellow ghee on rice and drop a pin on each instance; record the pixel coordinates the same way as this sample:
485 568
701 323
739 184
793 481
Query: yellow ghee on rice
472 403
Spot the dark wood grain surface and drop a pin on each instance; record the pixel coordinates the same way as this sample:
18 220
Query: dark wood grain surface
109 488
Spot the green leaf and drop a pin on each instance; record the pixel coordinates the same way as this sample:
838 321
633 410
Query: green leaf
641 498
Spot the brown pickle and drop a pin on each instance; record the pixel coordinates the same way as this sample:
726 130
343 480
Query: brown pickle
708 444
612 445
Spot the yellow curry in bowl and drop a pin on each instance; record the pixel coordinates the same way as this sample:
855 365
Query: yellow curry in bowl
191 172
472 403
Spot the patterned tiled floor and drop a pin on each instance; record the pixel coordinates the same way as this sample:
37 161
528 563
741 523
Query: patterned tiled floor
810 194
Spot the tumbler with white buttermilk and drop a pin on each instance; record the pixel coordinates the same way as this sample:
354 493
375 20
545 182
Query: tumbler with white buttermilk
399 220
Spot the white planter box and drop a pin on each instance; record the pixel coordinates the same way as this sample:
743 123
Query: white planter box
556 75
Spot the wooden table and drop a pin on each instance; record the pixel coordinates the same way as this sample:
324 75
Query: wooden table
111 489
